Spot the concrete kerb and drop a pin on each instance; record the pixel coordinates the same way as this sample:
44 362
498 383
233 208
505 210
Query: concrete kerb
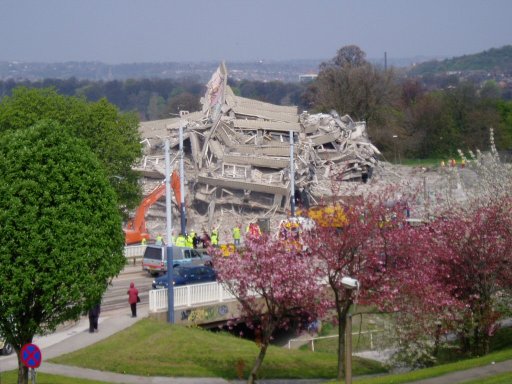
112 377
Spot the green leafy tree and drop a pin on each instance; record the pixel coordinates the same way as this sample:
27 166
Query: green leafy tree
156 107
112 136
347 56
504 137
431 123
275 92
61 240
490 90
350 85
182 102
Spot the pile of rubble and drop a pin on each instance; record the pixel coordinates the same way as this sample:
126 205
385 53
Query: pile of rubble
237 155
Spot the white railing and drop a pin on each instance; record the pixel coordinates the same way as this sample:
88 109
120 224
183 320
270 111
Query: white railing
134 252
189 296
311 340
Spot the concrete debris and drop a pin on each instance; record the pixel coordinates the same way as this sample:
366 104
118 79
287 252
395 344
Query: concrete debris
237 158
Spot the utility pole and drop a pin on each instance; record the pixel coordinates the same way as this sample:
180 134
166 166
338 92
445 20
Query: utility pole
395 138
170 285
182 183
292 177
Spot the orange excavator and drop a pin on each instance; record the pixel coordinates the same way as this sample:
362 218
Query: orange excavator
136 230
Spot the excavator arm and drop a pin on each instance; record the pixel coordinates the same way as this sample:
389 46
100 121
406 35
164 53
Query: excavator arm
136 230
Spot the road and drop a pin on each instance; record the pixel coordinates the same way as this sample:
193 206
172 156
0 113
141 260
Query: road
116 297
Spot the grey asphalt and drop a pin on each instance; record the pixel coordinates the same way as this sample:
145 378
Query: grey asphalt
76 336
470 374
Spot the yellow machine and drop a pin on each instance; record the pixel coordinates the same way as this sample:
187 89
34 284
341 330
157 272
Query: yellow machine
227 249
326 215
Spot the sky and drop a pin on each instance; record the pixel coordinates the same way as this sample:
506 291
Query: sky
132 31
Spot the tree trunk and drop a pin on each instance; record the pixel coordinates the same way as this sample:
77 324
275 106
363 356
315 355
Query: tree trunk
258 362
341 310
477 347
486 343
486 320
342 323
266 335
22 370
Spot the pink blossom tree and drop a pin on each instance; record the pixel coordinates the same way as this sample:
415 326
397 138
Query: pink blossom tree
409 287
476 264
273 283
351 251
391 260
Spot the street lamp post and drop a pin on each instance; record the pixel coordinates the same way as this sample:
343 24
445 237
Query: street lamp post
349 283
292 178
395 138
182 182
170 286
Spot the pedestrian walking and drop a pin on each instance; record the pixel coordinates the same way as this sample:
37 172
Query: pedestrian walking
94 314
133 298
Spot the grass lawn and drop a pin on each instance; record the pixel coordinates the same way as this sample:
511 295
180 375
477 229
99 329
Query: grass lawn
153 348
425 162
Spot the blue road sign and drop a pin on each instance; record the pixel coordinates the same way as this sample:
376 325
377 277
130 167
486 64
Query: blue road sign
31 356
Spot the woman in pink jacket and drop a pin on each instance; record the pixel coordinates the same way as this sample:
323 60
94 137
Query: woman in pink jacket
133 297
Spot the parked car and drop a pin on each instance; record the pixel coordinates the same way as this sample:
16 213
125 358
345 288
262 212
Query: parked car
155 258
187 274
5 348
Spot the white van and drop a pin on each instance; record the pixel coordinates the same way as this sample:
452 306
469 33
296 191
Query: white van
155 258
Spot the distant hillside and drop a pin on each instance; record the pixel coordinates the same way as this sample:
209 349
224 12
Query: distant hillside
494 59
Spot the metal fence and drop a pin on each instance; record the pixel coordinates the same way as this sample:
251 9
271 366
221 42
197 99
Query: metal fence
134 253
189 296
311 340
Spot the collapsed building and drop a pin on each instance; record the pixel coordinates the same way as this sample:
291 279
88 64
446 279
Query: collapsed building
238 155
